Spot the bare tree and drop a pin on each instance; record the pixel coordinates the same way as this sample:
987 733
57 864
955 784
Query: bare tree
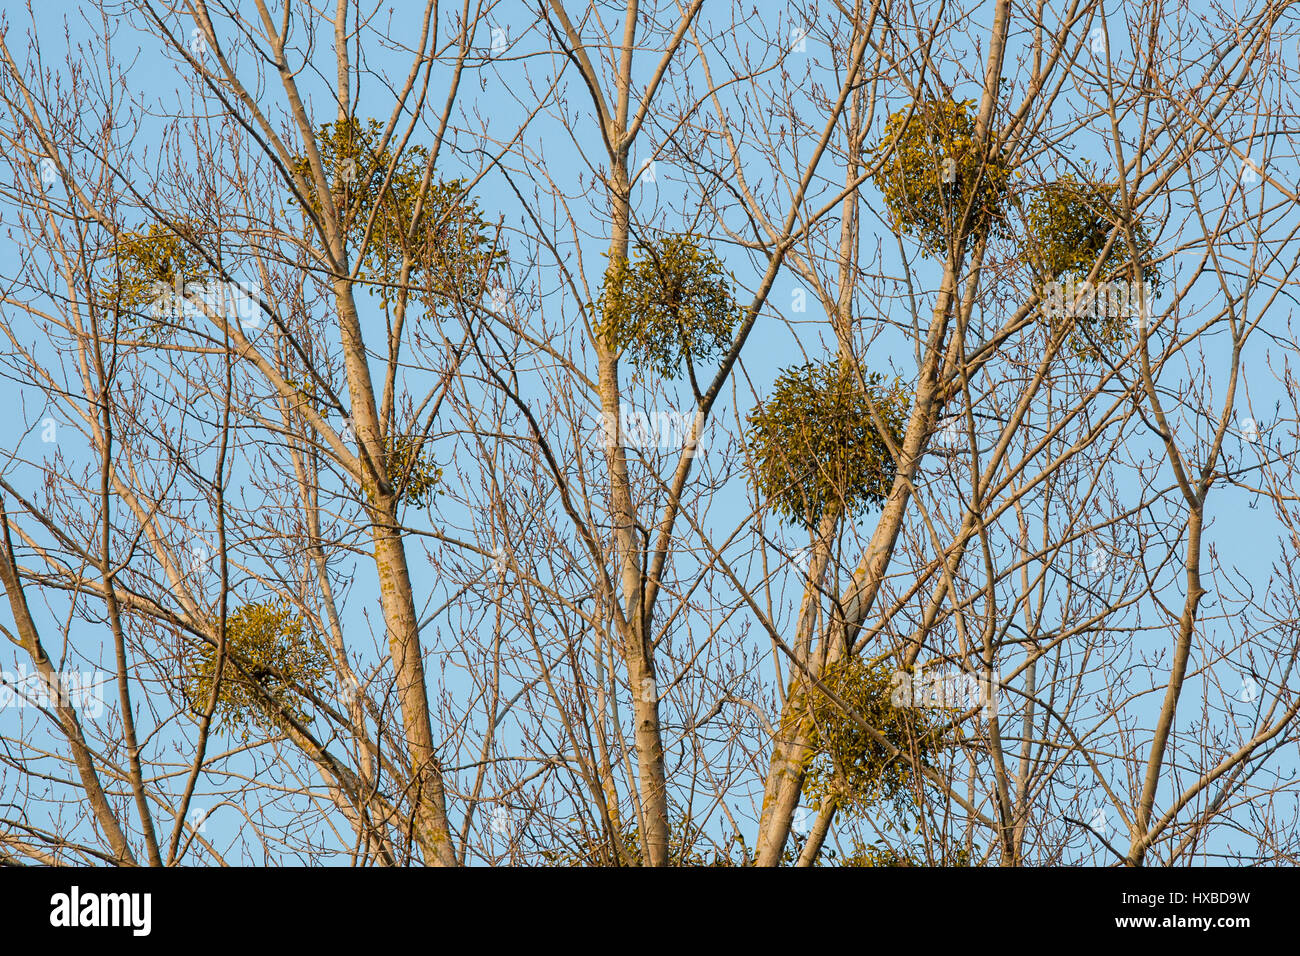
643 434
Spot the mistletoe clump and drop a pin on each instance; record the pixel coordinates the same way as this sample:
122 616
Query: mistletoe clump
930 171
1068 223
880 854
817 448
849 768
150 271
398 216
671 303
276 658
414 477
